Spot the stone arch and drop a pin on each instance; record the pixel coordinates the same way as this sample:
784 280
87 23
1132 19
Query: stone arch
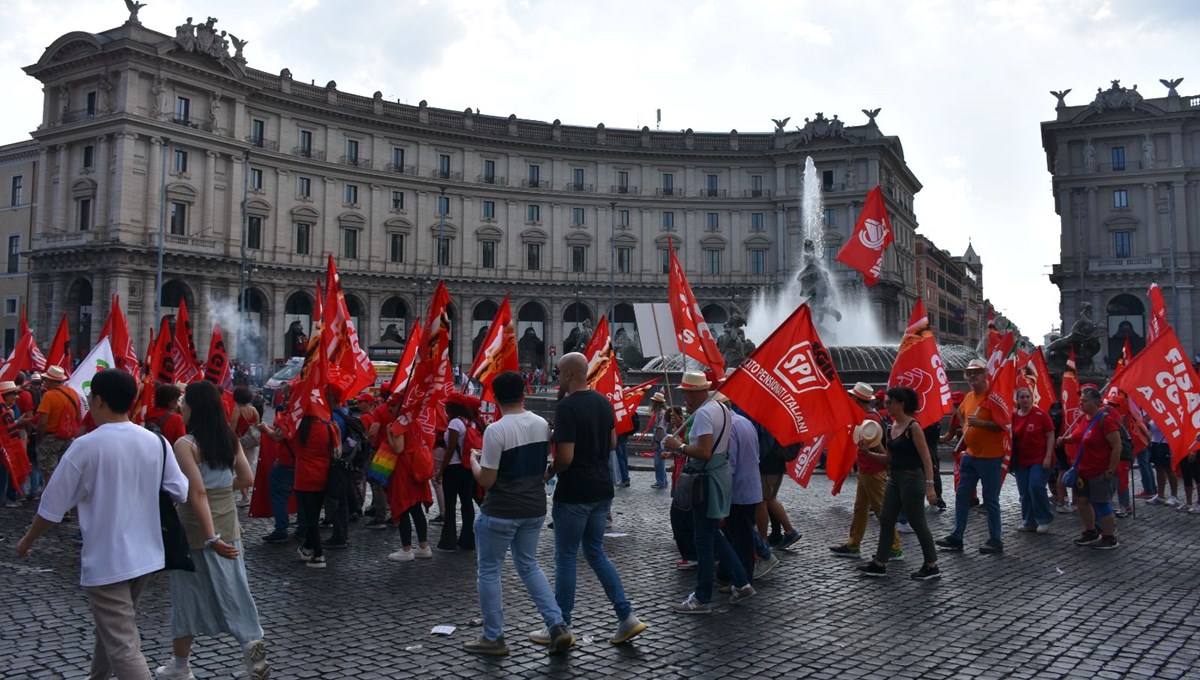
305 213
358 313
531 334
393 319
1126 320
72 45
297 320
80 298
481 322
172 292
577 325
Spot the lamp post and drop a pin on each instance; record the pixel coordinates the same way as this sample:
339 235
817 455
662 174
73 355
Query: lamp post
162 230
612 260
441 228
243 277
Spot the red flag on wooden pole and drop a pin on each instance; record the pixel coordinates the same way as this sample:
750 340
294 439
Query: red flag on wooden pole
498 353
695 338
919 366
872 235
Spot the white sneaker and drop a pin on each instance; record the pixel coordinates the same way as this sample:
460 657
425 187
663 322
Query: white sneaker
1043 528
402 555
1195 510
905 528
255 659
1155 500
744 593
425 553
1172 502
169 672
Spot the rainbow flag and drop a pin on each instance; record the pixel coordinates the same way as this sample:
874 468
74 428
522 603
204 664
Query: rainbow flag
383 464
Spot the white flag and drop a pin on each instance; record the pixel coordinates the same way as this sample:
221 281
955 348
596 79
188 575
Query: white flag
99 359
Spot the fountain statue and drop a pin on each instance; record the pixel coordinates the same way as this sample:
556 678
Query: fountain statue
732 343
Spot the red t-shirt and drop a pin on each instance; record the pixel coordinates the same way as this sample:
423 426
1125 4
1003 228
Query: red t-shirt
24 402
1096 451
382 415
278 451
1029 436
172 427
313 457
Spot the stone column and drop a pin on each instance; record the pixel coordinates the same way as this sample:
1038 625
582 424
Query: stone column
41 192
121 213
154 160
276 329
102 182
208 200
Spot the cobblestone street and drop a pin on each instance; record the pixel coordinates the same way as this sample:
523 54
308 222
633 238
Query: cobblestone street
1043 609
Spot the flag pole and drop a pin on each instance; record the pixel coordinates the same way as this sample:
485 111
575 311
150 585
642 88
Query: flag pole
658 340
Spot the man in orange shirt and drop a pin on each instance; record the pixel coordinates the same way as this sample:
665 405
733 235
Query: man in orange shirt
984 439
57 421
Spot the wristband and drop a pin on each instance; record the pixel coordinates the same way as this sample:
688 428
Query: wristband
928 482
208 543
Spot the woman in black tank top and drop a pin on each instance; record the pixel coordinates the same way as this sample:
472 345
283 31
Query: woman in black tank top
909 485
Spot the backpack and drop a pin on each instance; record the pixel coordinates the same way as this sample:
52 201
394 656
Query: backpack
68 424
636 420
1126 440
473 439
355 451
422 464
157 426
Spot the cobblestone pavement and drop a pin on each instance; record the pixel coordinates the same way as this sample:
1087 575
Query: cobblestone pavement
1043 609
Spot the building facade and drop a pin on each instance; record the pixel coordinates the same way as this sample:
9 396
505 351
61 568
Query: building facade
1124 175
18 197
947 284
253 177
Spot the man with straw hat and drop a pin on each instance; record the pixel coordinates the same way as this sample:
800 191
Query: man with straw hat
872 477
57 421
658 425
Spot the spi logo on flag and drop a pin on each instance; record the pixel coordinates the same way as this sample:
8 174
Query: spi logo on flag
799 370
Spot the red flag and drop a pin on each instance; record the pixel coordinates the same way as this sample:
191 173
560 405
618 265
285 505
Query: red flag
24 357
872 235
1001 395
307 397
995 352
431 382
14 456
1037 377
350 369
919 366
498 353
24 323
633 395
405 366
216 368
60 347
789 386
183 349
38 359
116 329
1158 313
604 375
695 338
1070 400
1162 381
161 362
840 451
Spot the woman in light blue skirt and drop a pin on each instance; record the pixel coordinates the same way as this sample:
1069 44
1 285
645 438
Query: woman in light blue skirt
216 598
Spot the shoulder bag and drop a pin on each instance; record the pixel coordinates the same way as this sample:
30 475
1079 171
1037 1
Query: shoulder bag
691 488
177 556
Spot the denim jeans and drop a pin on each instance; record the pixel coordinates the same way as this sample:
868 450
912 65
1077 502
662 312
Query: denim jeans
494 537
1149 484
576 524
660 466
281 480
684 533
711 545
972 471
739 530
622 461
1035 501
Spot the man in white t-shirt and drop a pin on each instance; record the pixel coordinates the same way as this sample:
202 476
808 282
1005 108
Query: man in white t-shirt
112 477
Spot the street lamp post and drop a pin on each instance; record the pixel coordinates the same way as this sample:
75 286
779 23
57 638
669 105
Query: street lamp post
612 260
441 228
243 278
162 230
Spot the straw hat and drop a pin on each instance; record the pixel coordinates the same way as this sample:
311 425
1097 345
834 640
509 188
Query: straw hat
658 397
55 373
869 433
7 387
862 391
694 381
976 365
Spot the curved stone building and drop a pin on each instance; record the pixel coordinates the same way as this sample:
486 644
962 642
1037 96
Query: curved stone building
253 177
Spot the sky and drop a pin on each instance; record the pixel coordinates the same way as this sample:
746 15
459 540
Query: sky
964 84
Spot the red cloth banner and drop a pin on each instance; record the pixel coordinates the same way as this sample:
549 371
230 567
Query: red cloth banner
308 397
604 375
1037 377
216 368
116 329
695 338
498 353
1162 381
350 369
404 367
1158 313
919 366
60 347
872 235
183 350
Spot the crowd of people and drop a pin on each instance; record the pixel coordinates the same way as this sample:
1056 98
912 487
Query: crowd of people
488 483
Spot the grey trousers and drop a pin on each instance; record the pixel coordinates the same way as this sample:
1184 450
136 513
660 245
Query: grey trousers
118 648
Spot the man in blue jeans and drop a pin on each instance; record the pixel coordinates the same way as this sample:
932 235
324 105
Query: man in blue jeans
282 478
584 433
512 468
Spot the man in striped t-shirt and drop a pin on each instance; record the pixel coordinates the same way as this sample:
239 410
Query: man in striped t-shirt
512 468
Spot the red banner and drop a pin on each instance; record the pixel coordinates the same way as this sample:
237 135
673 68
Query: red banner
872 235
1037 377
24 357
216 368
1162 381
307 397
404 367
632 397
350 369
604 375
498 353
37 359
162 360
1070 400
431 380
790 386
1158 313
60 347
695 338
183 348
919 366
116 329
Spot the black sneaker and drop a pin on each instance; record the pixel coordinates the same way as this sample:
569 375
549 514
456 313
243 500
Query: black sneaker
561 639
487 647
845 551
991 547
926 573
1106 543
1088 537
336 545
873 570
950 543
377 523
275 537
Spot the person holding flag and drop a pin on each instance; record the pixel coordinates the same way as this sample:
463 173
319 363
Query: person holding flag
982 462
1033 451
1098 438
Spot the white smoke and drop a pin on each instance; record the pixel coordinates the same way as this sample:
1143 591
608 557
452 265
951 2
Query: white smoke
243 341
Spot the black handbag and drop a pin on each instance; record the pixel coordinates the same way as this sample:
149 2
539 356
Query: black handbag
177 556
691 488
